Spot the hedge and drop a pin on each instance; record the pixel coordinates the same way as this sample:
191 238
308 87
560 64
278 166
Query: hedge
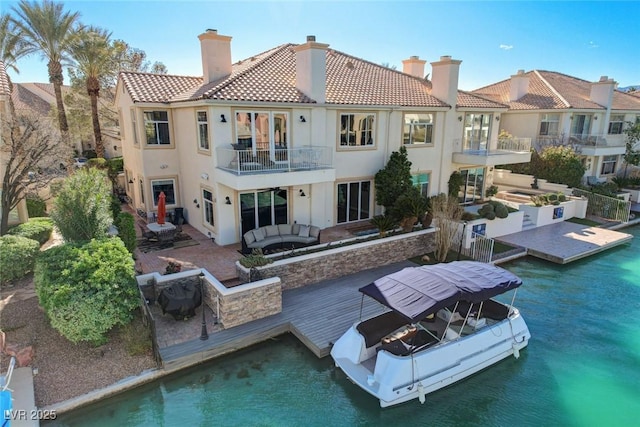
38 229
17 257
126 224
87 289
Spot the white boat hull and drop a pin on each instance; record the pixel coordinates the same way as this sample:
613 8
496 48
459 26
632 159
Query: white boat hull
393 380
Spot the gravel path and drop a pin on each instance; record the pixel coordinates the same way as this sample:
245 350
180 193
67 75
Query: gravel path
64 370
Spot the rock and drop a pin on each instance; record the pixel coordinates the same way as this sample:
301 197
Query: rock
426 258
25 356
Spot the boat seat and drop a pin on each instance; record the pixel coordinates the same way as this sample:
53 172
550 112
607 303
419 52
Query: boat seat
419 340
376 328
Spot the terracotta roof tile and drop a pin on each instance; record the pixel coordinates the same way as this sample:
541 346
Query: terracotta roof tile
270 77
552 90
26 100
470 100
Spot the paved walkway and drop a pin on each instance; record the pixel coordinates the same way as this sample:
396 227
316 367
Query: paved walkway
565 241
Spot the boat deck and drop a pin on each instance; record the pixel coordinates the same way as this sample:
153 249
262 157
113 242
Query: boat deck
565 241
317 315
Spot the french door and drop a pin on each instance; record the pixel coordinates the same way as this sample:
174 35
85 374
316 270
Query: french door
473 187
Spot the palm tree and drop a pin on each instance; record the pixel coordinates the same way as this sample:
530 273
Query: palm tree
91 49
47 29
12 44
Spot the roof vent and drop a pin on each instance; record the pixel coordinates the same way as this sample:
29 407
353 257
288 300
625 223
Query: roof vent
311 38
445 57
350 65
414 57
210 30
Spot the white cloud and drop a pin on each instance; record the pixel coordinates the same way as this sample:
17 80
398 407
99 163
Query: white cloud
592 45
506 46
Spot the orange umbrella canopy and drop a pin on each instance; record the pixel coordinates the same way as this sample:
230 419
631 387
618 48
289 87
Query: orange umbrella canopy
162 207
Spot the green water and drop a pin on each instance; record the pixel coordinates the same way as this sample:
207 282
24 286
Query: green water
581 368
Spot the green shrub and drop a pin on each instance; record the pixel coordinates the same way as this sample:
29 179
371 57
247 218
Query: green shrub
115 206
126 224
38 229
97 162
81 210
87 289
17 256
490 216
383 223
468 216
116 164
36 207
491 191
501 211
255 259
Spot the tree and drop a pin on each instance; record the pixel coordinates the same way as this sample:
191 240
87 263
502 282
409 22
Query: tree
394 179
12 43
47 28
632 137
91 49
82 210
446 216
31 149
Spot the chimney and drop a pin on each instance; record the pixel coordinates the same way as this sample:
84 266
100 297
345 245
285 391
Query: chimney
444 79
311 69
216 55
602 91
414 66
519 85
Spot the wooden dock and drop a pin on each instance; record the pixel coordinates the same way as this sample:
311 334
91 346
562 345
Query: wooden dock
317 315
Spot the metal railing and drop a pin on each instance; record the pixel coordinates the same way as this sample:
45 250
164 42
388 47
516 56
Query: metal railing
149 321
480 247
605 206
471 146
580 140
249 161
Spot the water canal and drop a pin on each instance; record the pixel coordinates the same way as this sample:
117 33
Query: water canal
581 369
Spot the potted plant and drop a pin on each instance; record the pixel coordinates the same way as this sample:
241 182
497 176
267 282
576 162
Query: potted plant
383 223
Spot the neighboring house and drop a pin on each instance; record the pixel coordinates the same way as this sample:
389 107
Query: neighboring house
40 99
19 214
297 133
557 109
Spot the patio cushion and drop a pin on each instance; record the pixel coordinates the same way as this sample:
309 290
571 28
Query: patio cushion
304 231
298 239
267 241
285 229
249 237
259 234
271 230
295 229
314 232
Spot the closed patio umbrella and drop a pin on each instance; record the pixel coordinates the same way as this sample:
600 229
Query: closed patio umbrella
162 207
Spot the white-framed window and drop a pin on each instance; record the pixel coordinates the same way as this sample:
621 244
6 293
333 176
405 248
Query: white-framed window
168 186
134 127
421 180
356 129
608 165
207 207
203 130
354 201
616 123
549 124
418 128
156 125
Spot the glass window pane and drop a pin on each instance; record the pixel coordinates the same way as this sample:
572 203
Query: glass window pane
365 197
163 130
280 130
166 186
342 203
280 207
353 201
262 130
247 211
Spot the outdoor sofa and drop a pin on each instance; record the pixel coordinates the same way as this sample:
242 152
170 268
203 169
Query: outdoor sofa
281 236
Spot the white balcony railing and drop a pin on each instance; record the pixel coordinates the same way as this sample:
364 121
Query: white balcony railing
580 140
246 162
482 148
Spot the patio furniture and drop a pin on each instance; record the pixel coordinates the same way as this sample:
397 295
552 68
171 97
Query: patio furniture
179 226
281 236
149 235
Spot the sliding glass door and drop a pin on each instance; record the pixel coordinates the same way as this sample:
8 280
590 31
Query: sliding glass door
260 208
354 201
473 187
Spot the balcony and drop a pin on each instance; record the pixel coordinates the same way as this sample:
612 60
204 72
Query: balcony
507 151
276 167
586 144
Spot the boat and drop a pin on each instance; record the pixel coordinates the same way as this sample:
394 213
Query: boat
440 325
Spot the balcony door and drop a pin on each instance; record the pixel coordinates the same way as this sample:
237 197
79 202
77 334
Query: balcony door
263 207
476 131
581 125
265 133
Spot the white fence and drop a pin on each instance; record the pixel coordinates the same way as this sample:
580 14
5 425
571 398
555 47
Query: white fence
605 206
480 248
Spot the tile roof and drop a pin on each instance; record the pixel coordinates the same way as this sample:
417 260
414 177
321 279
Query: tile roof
270 77
551 90
471 100
4 80
26 100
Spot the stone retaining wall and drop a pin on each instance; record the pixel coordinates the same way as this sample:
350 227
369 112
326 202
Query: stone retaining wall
332 263
232 306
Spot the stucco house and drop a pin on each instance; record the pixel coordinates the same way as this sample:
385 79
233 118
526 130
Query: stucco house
296 134
554 108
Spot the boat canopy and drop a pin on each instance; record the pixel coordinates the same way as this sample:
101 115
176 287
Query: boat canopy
417 292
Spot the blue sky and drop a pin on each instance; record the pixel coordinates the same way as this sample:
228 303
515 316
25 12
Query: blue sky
493 39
